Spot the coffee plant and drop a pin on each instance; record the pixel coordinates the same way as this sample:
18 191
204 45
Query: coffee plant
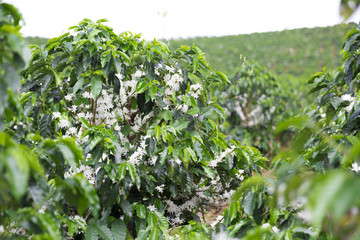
108 136
313 191
255 103
120 141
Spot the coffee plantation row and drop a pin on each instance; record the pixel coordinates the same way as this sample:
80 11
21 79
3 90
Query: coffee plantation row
108 136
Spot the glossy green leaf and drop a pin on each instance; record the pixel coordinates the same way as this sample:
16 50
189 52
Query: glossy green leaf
152 91
122 171
141 211
124 56
91 233
180 125
104 231
249 202
119 230
45 125
78 85
96 86
141 86
154 234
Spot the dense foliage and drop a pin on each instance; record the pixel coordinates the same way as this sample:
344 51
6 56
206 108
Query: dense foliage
291 54
112 137
314 191
122 129
255 103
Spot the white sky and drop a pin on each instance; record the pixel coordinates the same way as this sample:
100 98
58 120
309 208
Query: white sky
185 18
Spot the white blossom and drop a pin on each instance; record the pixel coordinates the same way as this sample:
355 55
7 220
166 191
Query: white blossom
87 95
137 74
265 225
217 220
139 153
63 123
195 90
152 208
117 128
69 97
160 188
355 167
73 108
72 131
275 229
42 209
57 115
348 97
170 69
153 160
213 163
119 76
156 70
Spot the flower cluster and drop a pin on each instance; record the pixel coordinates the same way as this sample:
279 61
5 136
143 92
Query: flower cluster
87 171
350 99
213 163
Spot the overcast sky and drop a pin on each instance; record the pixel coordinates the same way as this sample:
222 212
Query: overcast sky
185 18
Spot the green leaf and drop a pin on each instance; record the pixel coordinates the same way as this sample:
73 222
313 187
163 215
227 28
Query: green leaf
95 141
132 172
84 122
195 65
141 86
45 125
57 77
166 115
142 234
122 171
152 91
157 133
17 171
154 234
236 228
274 215
119 230
190 153
180 124
124 56
325 195
105 57
70 151
249 203
353 140
91 233
117 64
78 85
164 155
162 220
79 193
104 231
193 111
126 207
208 171
141 211
96 85
233 211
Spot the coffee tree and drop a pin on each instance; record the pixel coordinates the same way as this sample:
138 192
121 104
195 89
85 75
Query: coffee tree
124 133
255 103
314 190
317 180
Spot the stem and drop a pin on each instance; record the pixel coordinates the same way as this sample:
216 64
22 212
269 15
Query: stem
87 215
93 110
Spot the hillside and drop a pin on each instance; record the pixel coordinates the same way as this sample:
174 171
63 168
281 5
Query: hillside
298 53
291 54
